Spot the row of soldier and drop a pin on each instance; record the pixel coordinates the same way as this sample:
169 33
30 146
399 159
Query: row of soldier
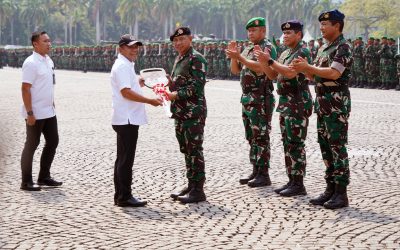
376 64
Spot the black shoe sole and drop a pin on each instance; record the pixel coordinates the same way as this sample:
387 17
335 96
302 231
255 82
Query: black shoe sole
291 195
131 205
31 189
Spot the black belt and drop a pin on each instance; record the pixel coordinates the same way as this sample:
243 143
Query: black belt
294 90
321 89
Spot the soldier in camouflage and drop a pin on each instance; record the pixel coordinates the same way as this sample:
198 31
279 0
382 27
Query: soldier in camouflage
386 59
359 63
333 104
189 109
257 100
295 106
397 57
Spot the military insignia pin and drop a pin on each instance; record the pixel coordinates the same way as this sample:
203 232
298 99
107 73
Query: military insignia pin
180 31
287 25
256 22
326 15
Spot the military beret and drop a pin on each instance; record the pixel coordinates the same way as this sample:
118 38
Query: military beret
384 37
256 22
181 31
359 38
128 40
333 15
371 38
292 25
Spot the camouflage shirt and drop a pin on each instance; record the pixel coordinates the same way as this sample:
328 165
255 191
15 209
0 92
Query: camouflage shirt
336 55
297 100
189 77
251 81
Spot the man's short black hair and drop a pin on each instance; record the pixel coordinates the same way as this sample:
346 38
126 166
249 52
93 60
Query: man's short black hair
297 31
341 24
35 36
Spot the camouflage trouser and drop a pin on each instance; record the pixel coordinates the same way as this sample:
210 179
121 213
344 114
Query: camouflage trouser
359 72
257 125
332 139
190 138
294 133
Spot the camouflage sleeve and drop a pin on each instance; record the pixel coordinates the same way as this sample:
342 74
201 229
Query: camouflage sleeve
305 53
342 58
273 53
198 68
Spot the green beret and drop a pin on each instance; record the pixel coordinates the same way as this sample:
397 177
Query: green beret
359 38
371 38
256 22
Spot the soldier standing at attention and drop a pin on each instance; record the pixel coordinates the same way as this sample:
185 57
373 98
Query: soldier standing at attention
295 105
369 53
257 99
386 57
359 63
189 109
331 73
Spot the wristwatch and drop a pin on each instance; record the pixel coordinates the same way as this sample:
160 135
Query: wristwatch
30 113
270 62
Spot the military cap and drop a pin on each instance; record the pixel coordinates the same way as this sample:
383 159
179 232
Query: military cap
359 38
256 22
384 37
371 38
129 40
292 25
333 15
181 31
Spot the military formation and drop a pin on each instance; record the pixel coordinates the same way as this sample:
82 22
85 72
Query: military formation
376 63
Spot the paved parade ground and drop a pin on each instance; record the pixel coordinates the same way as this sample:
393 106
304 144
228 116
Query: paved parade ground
81 214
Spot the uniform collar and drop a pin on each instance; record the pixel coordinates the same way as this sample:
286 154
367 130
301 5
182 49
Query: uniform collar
39 56
124 59
334 43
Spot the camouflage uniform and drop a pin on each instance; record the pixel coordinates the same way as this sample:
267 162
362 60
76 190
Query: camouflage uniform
371 65
190 110
386 58
397 57
295 107
333 106
257 106
358 66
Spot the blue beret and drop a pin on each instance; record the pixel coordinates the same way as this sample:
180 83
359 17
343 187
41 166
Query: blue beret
333 15
181 31
292 25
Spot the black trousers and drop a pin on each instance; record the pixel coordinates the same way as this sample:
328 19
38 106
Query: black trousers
127 136
50 132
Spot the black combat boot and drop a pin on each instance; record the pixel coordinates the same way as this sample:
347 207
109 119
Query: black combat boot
398 87
261 179
278 190
296 188
245 180
196 194
339 198
325 196
183 191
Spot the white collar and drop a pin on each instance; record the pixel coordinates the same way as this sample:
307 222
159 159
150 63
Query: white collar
123 58
39 56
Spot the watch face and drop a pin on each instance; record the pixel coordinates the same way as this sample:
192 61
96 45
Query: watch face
29 113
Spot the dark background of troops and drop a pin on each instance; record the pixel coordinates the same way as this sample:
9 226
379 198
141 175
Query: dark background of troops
374 66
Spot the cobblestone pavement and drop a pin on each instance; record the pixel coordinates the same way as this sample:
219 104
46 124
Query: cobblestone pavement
81 214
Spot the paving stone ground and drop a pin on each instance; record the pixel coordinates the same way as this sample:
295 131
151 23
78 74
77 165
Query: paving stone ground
81 214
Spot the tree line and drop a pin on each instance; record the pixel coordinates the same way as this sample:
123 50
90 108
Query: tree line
76 22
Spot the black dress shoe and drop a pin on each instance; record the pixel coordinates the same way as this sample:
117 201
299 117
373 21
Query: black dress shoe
30 186
49 182
132 202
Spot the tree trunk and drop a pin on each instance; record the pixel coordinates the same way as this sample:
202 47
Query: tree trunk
225 27
233 21
165 30
70 30
171 23
12 29
267 25
0 30
75 31
98 26
136 28
104 28
130 29
65 31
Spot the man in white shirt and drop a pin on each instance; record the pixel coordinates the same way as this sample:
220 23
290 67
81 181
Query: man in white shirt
128 114
38 110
